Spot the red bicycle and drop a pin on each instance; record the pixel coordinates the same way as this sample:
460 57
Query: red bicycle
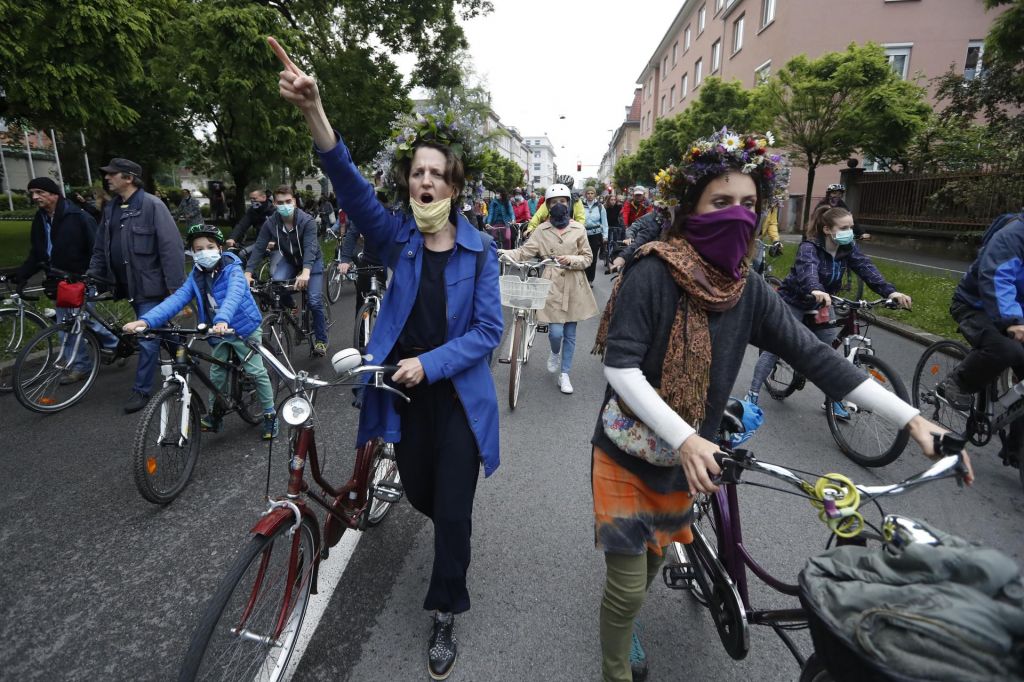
252 623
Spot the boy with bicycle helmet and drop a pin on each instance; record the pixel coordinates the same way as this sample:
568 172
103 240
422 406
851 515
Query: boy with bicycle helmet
224 302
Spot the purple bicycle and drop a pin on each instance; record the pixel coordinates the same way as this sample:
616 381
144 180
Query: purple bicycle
713 568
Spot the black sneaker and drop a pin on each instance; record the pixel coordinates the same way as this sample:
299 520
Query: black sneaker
957 398
136 402
442 649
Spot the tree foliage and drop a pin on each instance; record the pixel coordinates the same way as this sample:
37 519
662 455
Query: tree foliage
500 174
1004 43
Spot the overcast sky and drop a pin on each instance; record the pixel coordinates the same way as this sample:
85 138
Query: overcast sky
542 59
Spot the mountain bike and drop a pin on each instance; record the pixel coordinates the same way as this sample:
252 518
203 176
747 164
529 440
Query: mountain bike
169 437
368 313
252 623
525 294
18 323
283 325
992 412
714 567
863 436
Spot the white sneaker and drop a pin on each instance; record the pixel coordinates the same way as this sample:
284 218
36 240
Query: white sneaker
554 362
563 383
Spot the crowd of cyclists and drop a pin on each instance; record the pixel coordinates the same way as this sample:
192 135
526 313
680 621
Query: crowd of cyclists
685 305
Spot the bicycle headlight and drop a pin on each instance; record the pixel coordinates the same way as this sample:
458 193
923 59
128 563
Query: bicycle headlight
296 411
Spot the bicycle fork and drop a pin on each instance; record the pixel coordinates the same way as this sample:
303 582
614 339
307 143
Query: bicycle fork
172 377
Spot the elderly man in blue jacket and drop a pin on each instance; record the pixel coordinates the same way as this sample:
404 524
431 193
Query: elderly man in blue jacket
138 249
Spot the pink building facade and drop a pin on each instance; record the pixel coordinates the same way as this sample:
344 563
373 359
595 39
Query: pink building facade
748 40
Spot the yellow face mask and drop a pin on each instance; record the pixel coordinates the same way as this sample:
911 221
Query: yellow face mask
431 218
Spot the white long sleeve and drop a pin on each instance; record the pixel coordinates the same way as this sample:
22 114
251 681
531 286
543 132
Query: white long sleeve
870 395
633 389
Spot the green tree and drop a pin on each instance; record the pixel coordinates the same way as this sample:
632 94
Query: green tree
825 109
500 174
1004 43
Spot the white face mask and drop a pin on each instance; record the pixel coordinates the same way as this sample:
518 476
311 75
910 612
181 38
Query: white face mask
207 258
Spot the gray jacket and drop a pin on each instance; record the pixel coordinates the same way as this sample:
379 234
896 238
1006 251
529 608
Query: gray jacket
155 255
300 248
647 228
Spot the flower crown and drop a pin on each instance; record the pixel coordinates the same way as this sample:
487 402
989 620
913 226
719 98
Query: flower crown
725 151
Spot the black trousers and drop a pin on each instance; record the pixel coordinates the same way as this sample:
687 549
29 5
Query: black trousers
992 351
595 241
439 464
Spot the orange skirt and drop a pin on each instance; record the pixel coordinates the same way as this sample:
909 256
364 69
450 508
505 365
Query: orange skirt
629 517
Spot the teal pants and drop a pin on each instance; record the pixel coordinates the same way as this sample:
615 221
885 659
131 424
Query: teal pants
627 580
253 367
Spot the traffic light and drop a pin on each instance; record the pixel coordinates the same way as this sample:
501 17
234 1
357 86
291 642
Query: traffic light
579 166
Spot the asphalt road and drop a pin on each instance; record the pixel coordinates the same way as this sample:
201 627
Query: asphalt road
99 584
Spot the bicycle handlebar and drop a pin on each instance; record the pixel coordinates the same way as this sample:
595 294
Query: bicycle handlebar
532 264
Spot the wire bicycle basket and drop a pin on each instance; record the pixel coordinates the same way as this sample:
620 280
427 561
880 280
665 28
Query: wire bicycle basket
530 294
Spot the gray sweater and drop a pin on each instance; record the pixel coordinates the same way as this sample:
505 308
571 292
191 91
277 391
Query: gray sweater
638 336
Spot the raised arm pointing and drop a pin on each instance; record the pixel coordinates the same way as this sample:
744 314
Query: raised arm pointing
300 89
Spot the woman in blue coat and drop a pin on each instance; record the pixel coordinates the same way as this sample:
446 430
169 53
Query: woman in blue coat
440 321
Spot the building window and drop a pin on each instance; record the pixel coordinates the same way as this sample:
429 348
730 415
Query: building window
536 166
718 5
685 87
767 12
536 179
975 51
675 53
899 59
672 97
650 87
686 38
664 67
763 73
702 15
737 34
716 55
663 109
698 72
536 155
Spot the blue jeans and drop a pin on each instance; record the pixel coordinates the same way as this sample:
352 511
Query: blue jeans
563 339
314 295
81 362
766 361
149 353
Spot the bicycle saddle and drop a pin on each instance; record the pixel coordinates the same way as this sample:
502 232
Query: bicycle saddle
732 417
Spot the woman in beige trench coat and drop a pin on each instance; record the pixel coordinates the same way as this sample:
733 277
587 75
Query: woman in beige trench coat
571 298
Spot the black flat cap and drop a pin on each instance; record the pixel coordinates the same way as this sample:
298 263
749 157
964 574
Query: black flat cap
123 166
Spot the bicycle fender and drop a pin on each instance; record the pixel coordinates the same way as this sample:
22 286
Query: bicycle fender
279 516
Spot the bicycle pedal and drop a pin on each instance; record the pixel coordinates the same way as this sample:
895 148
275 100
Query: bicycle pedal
678 576
542 329
388 492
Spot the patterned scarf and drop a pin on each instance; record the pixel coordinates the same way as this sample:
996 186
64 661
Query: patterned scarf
686 368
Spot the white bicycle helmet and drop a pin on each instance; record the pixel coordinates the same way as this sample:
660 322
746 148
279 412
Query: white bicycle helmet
639 189
557 190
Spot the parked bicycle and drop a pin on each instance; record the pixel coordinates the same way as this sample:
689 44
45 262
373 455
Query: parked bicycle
282 326
43 378
252 623
993 410
368 313
714 567
169 436
525 293
864 437
19 322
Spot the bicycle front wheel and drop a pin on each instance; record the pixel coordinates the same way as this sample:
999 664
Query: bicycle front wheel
515 367
56 369
166 445
334 282
252 623
864 436
936 364
383 471
16 327
365 320
783 381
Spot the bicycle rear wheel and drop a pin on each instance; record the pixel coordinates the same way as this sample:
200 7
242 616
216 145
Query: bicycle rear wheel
935 365
365 319
166 445
275 336
45 377
16 327
515 367
252 623
383 470
247 397
865 437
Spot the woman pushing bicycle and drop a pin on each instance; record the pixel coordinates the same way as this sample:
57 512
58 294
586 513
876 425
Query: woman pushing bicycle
440 323
822 262
673 338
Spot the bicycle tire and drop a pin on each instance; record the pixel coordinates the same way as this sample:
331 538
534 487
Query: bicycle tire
774 282
246 395
814 670
169 455
783 381
39 369
888 439
366 318
275 336
935 364
263 273
383 469
515 367
16 327
255 589
334 282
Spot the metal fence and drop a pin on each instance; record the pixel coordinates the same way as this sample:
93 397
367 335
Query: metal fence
943 201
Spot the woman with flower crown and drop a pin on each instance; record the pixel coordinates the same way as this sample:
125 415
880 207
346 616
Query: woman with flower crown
440 322
673 337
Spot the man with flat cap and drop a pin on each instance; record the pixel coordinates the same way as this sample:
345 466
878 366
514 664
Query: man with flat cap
139 249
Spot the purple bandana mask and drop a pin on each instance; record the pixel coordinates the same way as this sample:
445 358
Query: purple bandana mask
722 237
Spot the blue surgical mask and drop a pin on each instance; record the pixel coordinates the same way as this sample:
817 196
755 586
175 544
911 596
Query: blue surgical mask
207 259
286 210
843 237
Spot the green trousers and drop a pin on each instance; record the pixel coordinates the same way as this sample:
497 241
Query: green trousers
253 367
627 579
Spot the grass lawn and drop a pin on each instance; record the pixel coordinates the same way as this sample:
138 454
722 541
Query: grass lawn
13 242
931 295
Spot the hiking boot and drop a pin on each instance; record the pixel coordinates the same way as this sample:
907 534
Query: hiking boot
554 362
136 402
320 349
73 377
564 385
950 391
211 423
637 656
442 649
270 426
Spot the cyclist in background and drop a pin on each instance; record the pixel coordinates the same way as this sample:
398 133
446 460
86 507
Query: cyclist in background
260 208
833 198
821 263
294 232
596 225
368 256
637 207
499 216
218 288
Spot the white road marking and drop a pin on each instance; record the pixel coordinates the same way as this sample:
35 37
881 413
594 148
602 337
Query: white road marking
328 579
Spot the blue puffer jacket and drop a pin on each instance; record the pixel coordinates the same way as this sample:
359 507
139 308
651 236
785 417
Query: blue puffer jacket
500 212
235 304
473 306
995 281
816 270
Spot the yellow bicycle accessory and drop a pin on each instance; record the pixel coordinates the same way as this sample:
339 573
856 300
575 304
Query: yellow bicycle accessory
842 495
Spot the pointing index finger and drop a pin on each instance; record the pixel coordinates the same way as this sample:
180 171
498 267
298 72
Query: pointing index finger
283 56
